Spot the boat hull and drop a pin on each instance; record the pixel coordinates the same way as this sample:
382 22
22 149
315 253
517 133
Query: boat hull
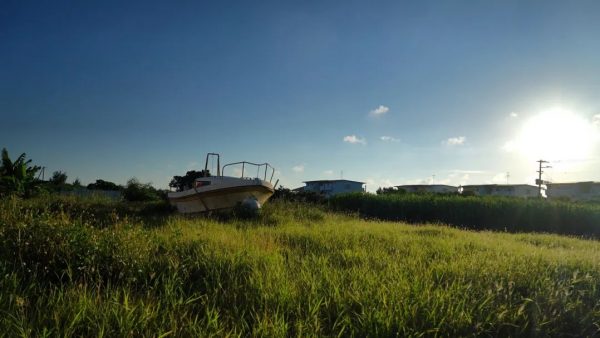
221 195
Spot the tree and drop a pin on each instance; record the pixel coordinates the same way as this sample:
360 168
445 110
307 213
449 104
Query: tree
59 178
104 185
137 191
389 190
77 182
17 177
181 183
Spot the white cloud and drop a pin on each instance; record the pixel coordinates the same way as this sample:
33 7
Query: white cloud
379 111
328 172
499 178
596 120
354 139
446 181
513 115
509 146
460 171
455 141
298 168
386 182
464 179
192 165
389 139
373 183
418 181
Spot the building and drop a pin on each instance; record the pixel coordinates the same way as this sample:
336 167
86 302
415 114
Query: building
428 188
576 191
333 187
514 190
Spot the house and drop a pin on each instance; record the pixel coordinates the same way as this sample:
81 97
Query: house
577 191
515 190
428 188
333 187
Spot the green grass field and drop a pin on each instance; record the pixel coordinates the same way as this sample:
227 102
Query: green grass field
101 268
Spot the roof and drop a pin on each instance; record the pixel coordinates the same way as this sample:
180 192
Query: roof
425 185
499 185
331 181
573 183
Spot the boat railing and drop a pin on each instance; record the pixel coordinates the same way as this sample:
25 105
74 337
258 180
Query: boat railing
213 155
258 166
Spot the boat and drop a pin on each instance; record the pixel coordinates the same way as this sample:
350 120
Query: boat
220 192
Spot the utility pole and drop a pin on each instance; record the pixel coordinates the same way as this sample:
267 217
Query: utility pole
540 172
41 174
507 177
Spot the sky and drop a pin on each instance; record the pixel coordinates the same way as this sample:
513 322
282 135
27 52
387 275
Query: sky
384 92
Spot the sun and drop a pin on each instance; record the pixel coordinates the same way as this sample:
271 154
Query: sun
556 134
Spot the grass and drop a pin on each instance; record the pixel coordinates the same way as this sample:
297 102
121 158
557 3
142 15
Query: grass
478 212
101 268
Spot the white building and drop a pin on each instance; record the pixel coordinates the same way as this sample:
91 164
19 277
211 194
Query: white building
576 191
334 187
514 190
428 188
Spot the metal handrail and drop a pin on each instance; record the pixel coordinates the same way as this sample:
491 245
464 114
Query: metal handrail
243 163
218 163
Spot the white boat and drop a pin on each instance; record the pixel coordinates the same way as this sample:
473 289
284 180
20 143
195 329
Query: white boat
225 192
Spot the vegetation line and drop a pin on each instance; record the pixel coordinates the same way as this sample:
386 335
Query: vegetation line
478 212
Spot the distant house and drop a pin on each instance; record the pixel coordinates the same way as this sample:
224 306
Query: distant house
333 187
577 191
515 190
428 188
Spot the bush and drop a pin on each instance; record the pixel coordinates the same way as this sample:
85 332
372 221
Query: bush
286 194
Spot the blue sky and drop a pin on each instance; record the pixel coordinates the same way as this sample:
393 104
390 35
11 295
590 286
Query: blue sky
114 90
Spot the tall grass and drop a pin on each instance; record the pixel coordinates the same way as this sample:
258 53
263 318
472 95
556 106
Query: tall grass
293 270
476 212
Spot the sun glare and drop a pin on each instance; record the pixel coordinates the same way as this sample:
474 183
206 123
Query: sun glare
557 134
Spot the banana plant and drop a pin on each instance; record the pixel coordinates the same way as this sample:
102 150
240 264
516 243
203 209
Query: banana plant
17 177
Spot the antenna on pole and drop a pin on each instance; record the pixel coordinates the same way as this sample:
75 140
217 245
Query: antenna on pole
342 174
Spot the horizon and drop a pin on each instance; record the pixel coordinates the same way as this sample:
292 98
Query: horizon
389 94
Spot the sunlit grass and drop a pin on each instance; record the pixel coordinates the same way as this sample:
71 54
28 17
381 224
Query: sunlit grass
293 270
